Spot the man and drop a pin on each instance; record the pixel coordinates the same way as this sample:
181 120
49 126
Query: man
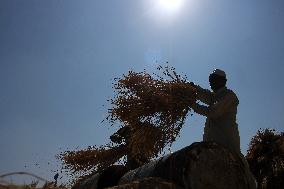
221 111
221 126
123 135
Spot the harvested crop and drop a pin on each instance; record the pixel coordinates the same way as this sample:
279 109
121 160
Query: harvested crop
150 110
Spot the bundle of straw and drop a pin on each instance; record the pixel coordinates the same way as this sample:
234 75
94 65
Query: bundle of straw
93 158
152 107
144 101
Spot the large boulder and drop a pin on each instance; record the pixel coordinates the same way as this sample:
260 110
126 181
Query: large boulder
147 183
201 165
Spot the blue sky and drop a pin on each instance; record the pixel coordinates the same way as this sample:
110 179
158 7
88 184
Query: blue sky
58 59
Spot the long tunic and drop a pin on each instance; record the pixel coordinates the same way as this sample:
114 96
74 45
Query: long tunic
220 126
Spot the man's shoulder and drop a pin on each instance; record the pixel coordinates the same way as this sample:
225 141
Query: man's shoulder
232 94
230 91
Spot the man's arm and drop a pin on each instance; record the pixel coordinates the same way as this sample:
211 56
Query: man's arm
204 95
121 134
217 109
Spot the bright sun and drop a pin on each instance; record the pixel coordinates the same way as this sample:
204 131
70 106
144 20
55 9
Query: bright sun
170 5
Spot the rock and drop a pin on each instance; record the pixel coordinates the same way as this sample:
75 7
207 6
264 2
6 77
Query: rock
89 183
200 165
147 183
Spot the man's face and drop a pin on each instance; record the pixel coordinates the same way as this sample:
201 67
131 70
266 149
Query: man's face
216 82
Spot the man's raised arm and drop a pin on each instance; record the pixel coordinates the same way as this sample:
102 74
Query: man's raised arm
204 95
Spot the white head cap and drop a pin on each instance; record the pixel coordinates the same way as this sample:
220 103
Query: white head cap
219 73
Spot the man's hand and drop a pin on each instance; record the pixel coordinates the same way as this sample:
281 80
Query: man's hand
190 92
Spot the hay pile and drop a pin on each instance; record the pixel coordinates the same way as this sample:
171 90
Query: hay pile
92 159
151 108
266 158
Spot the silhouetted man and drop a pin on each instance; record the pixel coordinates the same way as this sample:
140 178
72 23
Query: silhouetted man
123 135
220 112
220 126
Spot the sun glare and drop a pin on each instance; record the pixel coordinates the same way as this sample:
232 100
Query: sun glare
170 5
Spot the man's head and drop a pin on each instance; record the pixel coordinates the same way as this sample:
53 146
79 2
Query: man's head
217 79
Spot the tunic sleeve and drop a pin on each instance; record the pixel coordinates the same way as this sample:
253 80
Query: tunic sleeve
218 109
204 95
